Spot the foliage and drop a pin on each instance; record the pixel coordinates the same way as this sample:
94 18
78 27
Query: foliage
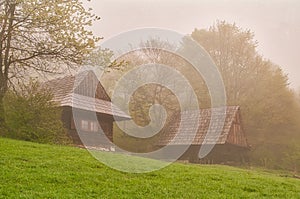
269 108
104 58
293 157
31 115
150 52
41 171
41 36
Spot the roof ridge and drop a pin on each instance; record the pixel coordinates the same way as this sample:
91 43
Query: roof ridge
226 108
68 76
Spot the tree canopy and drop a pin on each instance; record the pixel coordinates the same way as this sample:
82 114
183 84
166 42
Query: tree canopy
269 108
41 36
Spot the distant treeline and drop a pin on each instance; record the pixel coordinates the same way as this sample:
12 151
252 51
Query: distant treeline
270 109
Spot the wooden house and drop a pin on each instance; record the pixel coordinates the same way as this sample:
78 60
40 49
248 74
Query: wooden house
85 108
227 137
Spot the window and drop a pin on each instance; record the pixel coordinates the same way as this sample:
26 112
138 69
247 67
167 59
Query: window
91 126
85 125
94 126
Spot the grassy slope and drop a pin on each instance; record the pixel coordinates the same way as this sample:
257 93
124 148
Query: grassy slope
30 170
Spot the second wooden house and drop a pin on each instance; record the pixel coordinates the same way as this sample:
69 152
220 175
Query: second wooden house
227 137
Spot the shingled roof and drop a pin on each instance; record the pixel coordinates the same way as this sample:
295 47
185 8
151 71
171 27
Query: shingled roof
83 91
226 128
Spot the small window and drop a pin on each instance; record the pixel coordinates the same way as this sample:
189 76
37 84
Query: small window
94 126
85 125
91 126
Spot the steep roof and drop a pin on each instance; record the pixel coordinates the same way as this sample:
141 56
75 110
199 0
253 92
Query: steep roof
83 91
226 127
71 84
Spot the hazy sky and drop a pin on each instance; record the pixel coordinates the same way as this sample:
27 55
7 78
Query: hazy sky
276 24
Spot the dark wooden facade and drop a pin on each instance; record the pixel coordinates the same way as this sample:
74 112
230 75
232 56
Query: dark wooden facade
87 111
220 154
227 138
71 124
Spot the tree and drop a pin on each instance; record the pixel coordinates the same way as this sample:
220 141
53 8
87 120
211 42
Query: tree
234 52
260 87
292 157
149 94
103 58
31 115
43 37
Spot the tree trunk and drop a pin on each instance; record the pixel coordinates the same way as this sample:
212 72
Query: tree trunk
5 57
2 115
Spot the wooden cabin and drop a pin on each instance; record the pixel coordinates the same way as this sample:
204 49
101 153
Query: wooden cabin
227 138
85 108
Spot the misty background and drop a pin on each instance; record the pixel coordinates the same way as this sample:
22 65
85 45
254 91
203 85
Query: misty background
275 23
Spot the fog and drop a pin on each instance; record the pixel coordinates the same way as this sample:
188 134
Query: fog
276 24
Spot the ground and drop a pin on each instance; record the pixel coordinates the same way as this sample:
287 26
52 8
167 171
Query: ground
29 170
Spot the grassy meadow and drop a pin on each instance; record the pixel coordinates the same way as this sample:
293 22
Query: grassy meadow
29 170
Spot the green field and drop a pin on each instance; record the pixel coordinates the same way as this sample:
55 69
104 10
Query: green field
29 170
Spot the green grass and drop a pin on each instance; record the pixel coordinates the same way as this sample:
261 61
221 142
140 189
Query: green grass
29 170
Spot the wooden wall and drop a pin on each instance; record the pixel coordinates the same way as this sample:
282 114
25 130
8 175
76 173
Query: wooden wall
94 138
237 135
91 87
221 154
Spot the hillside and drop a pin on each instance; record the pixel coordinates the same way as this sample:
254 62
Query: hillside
29 170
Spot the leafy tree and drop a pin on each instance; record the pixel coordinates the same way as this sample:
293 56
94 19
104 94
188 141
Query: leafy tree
31 115
42 36
103 58
150 94
292 157
260 87
270 110
150 52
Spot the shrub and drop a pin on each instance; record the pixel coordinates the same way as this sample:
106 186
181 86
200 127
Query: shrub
31 115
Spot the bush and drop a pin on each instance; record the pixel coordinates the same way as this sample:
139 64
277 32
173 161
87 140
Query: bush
31 115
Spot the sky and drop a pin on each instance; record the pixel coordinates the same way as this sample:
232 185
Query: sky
275 23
